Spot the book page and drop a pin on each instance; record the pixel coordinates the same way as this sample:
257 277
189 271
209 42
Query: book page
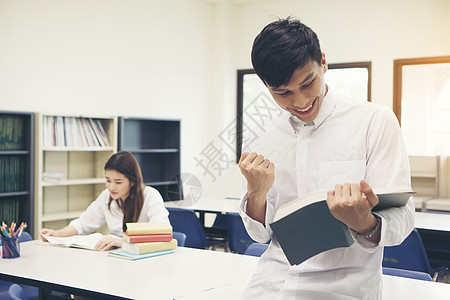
78 241
287 208
388 197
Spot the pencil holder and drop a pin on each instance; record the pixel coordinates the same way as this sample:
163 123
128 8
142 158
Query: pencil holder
10 247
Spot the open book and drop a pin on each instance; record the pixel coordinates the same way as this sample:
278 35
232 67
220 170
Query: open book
305 227
77 241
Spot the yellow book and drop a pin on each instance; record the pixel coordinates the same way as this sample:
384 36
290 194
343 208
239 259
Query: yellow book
142 248
148 228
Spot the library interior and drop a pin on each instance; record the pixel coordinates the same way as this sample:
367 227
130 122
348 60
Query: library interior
174 84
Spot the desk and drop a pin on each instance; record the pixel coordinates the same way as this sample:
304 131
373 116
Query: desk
434 228
186 274
207 205
432 221
394 288
94 274
212 205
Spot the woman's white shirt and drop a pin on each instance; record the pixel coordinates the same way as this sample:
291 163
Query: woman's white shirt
97 214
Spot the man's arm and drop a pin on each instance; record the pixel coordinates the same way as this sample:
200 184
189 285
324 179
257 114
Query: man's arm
260 175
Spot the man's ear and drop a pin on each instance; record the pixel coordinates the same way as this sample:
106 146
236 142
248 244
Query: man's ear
324 63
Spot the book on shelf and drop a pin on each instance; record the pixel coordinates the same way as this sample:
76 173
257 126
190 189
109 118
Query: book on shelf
102 132
125 255
63 131
77 241
148 228
12 135
145 238
141 248
305 227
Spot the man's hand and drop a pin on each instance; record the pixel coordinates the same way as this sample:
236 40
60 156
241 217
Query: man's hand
352 204
260 175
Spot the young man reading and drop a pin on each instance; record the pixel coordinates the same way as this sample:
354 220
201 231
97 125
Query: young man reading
321 141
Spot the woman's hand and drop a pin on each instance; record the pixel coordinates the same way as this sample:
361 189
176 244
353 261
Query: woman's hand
49 232
108 243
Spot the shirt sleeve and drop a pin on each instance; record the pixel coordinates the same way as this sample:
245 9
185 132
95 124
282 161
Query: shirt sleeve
387 166
155 211
94 216
257 231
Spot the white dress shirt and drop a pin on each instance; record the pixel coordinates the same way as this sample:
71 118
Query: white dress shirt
346 142
97 214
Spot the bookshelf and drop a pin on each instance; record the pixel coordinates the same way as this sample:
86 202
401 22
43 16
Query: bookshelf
425 177
17 167
156 145
70 161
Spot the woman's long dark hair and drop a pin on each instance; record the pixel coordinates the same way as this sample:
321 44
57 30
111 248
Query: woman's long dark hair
125 163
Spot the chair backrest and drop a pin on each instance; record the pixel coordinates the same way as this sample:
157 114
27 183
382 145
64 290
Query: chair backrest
256 249
15 292
238 238
186 221
407 274
409 255
180 237
25 237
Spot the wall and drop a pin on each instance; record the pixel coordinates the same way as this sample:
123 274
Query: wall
352 30
134 58
178 58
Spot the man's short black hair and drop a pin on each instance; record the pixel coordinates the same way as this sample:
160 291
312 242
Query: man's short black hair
281 48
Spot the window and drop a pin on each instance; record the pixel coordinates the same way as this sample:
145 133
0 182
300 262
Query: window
255 106
422 104
351 79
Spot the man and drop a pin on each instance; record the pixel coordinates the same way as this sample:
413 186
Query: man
321 141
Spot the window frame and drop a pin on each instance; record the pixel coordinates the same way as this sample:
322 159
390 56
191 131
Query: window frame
398 77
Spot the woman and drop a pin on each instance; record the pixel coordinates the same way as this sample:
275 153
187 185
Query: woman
124 200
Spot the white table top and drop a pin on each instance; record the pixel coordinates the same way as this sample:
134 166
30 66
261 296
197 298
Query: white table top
433 221
394 288
214 205
186 272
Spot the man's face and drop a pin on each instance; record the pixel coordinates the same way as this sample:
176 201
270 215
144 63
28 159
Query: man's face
304 93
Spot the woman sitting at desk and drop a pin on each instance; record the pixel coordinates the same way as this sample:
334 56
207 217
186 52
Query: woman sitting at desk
124 200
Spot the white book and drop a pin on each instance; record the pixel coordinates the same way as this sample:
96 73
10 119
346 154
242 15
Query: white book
97 133
81 132
90 134
76 142
102 131
60 132
77 241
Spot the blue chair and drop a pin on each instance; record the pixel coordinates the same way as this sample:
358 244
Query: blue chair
256 249
180 237
220 222
15 292
409 255
186 221
407 274
238 238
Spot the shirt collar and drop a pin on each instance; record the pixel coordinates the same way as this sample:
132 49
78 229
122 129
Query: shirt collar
325 111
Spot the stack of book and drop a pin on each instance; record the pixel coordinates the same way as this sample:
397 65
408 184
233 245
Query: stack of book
142 240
